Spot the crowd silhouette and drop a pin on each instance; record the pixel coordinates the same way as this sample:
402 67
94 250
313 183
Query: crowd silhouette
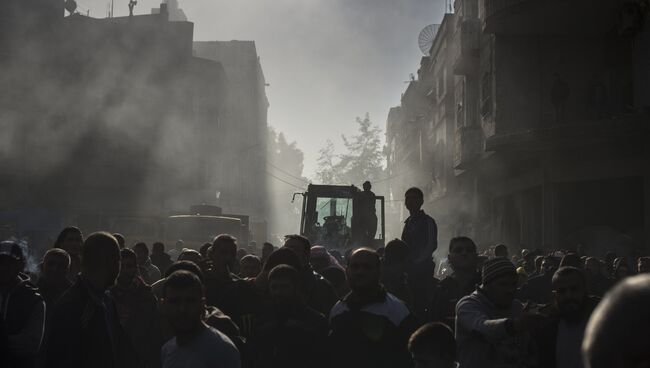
95 302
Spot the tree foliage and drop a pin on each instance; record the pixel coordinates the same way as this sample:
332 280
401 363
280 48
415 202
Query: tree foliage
362 159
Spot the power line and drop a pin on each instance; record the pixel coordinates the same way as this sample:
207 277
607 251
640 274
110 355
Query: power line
287 173
284 181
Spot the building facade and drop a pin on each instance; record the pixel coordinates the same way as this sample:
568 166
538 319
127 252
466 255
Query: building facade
546 143
111 118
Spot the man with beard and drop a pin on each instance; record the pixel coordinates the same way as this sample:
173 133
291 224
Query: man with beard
560 340
288 334
463 281
491 325
137 309
195 344
318 292
370 327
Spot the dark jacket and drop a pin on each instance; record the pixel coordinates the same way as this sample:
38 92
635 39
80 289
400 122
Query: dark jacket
289 338
22 318
538 289
546 337
235 297
162 261
371 332
446 294
137 309
86 332
319 293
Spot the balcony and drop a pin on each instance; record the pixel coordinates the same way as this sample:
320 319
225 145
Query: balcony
466 60
628 130
468 146
521 17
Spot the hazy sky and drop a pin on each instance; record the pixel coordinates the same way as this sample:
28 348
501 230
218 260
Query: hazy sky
327 61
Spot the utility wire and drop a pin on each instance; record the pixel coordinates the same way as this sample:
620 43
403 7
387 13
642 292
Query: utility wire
284 181
287 173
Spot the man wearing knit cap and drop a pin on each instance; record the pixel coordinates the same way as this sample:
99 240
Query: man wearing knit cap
491 326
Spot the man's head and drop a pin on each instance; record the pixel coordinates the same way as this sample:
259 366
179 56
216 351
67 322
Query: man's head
501 251
183 301
617 333
121 241
433 346
364 270
267 249
128 265
185 266
549 265
643 265
101 259
593 265
621 268
12 262
499 281
142 252
284 285
190 255
413 199
158 248
396 252
301 246
367 186
179 244
250 266
223 252
56 265
570 292
70 239
462 254
205 250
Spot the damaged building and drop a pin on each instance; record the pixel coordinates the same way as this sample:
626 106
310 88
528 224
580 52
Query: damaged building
531 132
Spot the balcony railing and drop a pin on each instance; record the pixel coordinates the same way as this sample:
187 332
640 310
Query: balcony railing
468 146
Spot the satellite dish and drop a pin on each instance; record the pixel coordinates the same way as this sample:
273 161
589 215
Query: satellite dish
70 6
426 37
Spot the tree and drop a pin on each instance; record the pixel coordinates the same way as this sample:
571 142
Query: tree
361 161
284 167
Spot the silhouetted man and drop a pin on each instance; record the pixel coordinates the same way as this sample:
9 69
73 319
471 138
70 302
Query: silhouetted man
71 240
319 293
250 266
86 331
288 334
433 346
148 271
463 260
421 234
235 297
160 258
560 340
365 216
53 280
539 289
370 327
617 333
137 309
491 325
195 344
22 311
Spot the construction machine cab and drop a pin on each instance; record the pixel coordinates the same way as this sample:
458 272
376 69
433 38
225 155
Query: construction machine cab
335 217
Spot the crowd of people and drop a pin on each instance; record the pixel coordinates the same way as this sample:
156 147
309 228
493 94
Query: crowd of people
96 302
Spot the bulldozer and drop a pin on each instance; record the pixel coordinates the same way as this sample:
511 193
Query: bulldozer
342 217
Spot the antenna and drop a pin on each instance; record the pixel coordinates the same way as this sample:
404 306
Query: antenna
426 37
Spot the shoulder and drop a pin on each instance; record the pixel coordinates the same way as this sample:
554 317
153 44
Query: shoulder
339 308
468 301
396 310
